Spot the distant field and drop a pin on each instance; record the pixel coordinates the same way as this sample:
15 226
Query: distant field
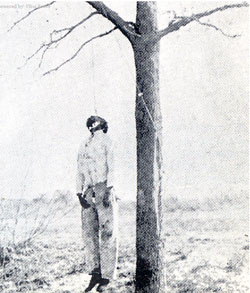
206 247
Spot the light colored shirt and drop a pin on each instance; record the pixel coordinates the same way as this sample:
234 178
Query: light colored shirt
95 162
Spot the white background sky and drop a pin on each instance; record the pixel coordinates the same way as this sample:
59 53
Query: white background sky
204 96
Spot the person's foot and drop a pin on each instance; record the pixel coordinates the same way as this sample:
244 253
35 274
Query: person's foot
96 279
102 284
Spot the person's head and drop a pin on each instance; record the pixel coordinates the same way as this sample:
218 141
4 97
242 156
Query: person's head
95 123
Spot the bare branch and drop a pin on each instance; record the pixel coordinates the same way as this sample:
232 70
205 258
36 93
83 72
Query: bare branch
42 57
217 28
125 27
31 56
184 20
76 53
69 29
29 13
55 41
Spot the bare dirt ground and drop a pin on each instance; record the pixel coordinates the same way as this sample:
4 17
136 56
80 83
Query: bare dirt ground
206 250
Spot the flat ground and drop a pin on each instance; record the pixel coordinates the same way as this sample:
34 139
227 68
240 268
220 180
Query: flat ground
206 250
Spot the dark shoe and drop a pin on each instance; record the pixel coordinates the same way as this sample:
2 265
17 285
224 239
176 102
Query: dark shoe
96 278
102 284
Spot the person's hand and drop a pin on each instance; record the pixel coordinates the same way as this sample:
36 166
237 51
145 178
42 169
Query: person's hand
106 199
83 201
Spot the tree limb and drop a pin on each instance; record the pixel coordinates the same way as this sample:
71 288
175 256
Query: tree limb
69 29
55 41
217 28
76 53
184 20
125 27
29 13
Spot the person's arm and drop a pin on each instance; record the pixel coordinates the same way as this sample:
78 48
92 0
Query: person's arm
80 179
80 176
110 163
79 182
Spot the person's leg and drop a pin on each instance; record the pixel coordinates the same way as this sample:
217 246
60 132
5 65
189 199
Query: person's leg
90 232
106 208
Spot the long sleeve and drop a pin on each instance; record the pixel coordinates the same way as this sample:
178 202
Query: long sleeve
79 182
80 179
95 161
110 163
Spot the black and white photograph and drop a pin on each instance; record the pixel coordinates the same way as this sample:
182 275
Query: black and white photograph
124 139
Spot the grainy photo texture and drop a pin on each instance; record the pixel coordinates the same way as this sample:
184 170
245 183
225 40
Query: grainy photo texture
124 146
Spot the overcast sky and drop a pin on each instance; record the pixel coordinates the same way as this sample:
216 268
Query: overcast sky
204 97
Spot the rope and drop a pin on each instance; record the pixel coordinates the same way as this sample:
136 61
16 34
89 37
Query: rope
140 93
93 73
93 79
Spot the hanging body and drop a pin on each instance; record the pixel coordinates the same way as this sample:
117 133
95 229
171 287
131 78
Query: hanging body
99 220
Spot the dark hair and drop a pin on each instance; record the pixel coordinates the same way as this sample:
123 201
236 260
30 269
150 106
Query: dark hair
103 123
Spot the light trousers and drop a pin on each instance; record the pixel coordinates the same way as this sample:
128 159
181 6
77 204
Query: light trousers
99 230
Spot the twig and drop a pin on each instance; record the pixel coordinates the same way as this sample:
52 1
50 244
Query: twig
76 53
176 25
29 13
217 28
48 45
16 222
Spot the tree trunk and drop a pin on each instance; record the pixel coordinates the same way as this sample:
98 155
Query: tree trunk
148 130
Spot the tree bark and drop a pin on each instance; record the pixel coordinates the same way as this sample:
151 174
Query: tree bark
148 131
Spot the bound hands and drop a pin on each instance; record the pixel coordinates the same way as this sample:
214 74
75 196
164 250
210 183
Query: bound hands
106 198
83 201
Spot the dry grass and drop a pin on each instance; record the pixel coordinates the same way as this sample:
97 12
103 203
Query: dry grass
206 250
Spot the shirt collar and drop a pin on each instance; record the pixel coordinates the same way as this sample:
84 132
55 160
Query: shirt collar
98 133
